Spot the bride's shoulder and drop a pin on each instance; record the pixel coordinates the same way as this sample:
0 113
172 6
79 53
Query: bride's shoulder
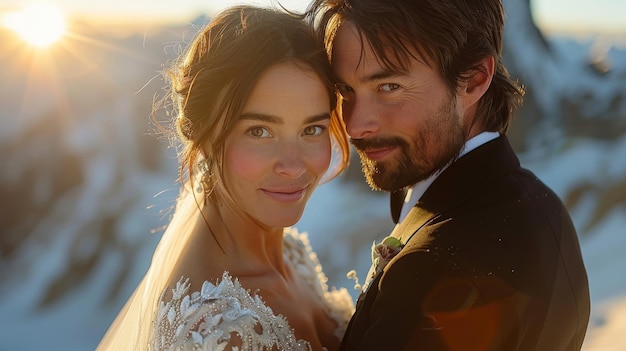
297 250
218 316
293 239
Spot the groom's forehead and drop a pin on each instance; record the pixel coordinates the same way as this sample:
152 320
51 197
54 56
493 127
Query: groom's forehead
353 50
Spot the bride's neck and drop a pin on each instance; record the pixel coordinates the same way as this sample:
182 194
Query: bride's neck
245 244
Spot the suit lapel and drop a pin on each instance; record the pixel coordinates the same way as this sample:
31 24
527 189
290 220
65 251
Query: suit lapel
461 180
415 219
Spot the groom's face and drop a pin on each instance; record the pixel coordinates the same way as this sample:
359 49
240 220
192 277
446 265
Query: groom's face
405 125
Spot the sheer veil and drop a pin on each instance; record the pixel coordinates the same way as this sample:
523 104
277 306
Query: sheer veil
133 325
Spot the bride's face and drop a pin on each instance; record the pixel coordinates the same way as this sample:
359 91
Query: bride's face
280 147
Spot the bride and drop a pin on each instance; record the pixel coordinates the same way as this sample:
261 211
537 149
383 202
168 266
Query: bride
252 100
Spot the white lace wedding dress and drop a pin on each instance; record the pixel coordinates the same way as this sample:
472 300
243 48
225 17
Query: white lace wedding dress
211 319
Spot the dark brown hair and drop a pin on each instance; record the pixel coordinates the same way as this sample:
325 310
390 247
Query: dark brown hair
452 36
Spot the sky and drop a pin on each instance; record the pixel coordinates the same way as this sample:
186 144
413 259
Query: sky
556 15
581 15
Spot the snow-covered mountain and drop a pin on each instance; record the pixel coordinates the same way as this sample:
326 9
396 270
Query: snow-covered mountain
86 186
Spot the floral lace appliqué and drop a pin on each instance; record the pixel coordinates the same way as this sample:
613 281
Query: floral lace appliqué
212 318
225 314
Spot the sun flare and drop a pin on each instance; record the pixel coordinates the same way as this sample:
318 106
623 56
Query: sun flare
39 24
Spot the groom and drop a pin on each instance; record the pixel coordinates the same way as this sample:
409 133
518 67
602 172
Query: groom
489 257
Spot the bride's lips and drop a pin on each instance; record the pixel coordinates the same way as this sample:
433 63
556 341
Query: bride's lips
378 154
285 195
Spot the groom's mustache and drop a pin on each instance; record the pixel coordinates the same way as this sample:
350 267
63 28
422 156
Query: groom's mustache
377 143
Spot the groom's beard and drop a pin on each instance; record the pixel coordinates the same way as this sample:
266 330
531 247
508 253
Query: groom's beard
430 150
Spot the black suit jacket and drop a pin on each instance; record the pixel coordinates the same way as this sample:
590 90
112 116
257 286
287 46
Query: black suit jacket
491 262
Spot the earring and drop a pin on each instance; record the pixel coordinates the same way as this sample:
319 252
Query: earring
205 185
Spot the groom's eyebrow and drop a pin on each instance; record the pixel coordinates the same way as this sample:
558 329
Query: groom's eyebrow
385 74
373 77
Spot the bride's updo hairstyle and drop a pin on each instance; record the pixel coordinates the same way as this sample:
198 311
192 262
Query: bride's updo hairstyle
213 79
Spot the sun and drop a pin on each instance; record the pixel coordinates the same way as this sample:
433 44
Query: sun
39 24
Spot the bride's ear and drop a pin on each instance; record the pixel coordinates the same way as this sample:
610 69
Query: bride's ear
476 81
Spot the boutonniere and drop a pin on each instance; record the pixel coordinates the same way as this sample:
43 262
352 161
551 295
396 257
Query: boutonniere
383 252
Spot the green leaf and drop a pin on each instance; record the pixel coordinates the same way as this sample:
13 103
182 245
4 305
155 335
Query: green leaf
392 242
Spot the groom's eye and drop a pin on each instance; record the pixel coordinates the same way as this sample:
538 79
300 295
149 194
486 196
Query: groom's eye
343 89
389 87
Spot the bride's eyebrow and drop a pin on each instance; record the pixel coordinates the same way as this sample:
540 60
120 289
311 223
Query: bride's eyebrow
317 118
278 120
261 117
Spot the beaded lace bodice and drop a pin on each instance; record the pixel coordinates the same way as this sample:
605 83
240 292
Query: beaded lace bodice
225 314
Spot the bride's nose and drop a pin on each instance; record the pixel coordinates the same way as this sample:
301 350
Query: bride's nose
290 162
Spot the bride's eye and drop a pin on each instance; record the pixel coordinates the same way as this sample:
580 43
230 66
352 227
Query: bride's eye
258 132
313 130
